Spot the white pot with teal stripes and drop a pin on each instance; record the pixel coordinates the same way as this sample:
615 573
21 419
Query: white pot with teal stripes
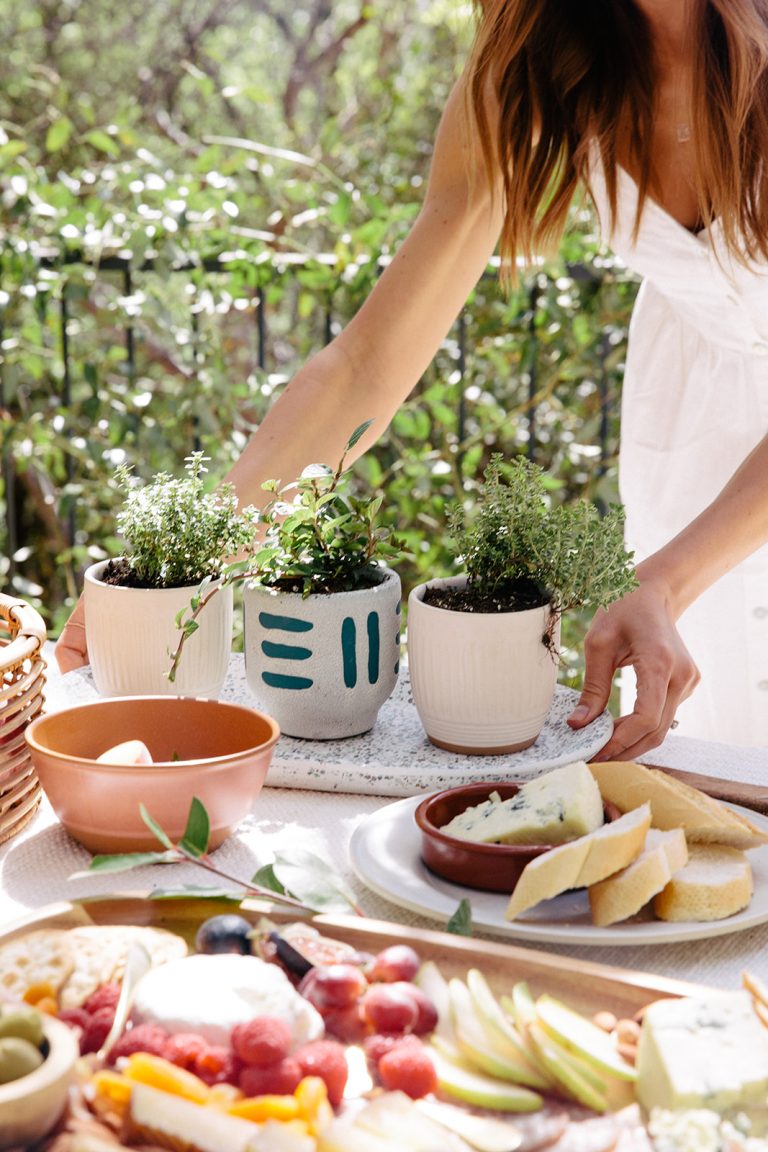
323 666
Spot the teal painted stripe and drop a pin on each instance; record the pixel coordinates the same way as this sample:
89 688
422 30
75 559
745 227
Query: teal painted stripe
286 623
348 653
285 651
276 680
374 645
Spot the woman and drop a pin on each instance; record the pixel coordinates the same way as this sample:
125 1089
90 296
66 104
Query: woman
659 107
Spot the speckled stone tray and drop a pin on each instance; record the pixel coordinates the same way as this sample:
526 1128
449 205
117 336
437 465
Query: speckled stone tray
395 758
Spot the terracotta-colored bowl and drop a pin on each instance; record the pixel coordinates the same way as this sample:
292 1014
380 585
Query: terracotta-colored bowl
215 751
31 1105
490 867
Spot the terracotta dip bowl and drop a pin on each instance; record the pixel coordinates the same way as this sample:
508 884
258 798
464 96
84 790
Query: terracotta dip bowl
490 867
215 751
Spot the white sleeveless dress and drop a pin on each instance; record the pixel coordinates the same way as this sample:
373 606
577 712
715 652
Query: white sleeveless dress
695 403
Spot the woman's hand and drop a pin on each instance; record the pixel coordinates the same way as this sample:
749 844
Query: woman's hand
71 647
638 630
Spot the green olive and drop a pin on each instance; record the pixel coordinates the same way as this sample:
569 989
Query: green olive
23 1021
17 1058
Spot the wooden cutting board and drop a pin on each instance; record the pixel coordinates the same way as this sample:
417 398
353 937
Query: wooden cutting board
753 796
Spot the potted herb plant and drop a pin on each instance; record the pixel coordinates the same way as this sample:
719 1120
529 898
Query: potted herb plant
483 647
179 538
321 608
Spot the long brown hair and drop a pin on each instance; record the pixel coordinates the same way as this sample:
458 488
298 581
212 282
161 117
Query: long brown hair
569 75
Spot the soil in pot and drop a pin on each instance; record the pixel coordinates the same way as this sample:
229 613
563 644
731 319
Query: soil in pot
517 597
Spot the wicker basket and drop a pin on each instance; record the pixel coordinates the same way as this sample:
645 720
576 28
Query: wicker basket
22 677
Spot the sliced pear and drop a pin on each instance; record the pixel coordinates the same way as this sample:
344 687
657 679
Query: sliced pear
395 1117
483 1133
433 984
520 1007
462 1082
343 1135
488 1050
501 1031
581 1036
569 1074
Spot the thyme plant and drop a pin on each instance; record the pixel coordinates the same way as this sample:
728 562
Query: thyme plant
519 550
176 533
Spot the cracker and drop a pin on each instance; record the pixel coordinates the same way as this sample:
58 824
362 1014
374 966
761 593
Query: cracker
44 956
100 951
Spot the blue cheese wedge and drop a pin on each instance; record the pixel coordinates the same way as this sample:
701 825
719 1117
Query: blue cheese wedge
556 807
696 1053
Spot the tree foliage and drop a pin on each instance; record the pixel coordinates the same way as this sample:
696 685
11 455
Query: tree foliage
195 195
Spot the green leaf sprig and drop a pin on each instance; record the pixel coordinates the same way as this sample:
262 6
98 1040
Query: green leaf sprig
302 880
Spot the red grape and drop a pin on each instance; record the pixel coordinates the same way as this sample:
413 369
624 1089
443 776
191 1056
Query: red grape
389 1009
426 1020
398 962
334 986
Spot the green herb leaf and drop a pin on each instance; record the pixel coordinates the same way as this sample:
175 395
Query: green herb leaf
198 830
155 828
265 878
199 891
460 923
309 879
125 861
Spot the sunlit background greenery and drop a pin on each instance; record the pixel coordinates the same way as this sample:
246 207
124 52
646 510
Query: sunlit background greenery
195 194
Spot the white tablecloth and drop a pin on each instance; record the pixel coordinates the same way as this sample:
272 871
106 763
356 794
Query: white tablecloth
36 865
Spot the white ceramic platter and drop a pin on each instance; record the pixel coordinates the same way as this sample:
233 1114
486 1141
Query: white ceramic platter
385 854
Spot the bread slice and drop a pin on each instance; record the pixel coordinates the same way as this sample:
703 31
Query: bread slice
620 896
675 805
581 862
715 883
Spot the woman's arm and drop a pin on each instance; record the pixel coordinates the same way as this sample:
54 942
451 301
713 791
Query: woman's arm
371 367
639 630
373 364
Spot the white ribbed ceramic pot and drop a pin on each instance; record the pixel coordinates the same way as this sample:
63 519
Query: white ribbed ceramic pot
132 632
324 665
482 683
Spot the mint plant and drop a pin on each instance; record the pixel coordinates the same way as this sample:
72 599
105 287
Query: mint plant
520 551
319 538
176 532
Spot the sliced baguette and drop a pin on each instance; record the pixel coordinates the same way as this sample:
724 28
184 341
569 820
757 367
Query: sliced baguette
582 862
620 896
715 883
675 805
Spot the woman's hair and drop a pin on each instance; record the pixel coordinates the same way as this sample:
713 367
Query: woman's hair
569 76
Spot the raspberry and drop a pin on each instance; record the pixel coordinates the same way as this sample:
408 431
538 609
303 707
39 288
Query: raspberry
281 1079
326 1059
184 1048
75 1017
216 1064
96 1030
106 996
262 1041
380 1043
141 1038
408 1068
